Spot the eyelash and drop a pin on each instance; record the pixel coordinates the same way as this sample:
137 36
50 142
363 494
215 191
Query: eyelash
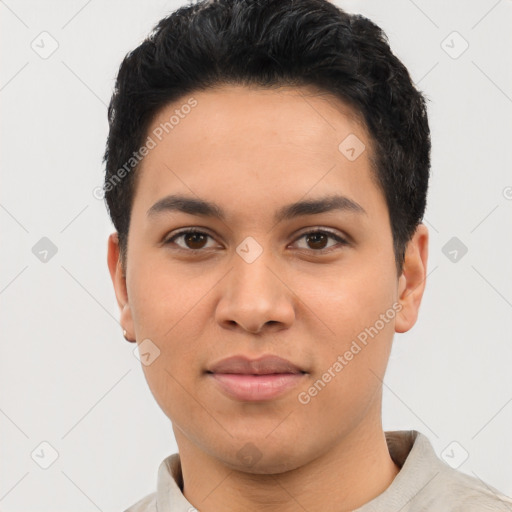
341 241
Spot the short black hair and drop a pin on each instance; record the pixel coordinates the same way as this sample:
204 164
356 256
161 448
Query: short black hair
273 43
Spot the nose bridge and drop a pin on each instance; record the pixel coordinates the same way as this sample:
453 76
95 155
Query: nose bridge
252 295
251 277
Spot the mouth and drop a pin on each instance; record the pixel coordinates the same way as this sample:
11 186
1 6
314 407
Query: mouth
252 380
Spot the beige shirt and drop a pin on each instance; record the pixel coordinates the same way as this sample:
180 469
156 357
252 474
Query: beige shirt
424 484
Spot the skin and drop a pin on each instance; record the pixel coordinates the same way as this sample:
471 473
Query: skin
252 151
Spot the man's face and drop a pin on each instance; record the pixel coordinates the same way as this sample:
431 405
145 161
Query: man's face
256 285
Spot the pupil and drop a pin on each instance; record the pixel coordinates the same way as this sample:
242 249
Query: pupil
193 237
317 239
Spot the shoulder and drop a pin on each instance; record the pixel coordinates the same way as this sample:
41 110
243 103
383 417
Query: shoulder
453 489
168 493
146 504
427 483
465 493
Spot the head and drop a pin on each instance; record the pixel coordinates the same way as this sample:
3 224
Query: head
265 121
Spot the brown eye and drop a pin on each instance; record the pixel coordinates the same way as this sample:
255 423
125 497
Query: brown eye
189 240
318 241
195 240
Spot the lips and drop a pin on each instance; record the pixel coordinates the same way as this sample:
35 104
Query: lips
251 380
264 365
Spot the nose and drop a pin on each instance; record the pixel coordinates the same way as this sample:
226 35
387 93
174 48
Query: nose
255 297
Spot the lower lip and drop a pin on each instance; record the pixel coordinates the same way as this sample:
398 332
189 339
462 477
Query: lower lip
256 387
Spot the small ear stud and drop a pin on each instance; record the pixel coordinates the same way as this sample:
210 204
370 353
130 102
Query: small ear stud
124 334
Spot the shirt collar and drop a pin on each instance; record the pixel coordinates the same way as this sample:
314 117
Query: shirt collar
407 448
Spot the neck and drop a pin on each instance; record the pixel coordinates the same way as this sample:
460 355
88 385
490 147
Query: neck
350 474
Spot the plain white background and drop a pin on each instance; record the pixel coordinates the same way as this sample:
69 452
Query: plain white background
67 376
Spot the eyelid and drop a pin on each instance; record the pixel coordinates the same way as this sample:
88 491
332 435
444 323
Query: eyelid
203 231
319 229
340 239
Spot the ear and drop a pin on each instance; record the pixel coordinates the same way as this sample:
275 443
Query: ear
119 281
411 284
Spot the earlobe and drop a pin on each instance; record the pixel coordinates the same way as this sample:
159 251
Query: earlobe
118 277
411 283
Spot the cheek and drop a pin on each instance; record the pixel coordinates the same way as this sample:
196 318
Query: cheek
356 321
169 309
352 359
348 301
164 297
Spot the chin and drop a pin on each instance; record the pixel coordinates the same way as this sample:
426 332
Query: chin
265 466
264 458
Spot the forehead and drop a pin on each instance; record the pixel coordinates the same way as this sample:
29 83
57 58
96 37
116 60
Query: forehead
256 144
249 116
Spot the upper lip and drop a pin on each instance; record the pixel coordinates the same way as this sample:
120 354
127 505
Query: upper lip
262 366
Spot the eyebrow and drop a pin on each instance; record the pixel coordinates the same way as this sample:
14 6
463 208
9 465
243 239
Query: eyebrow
201 207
